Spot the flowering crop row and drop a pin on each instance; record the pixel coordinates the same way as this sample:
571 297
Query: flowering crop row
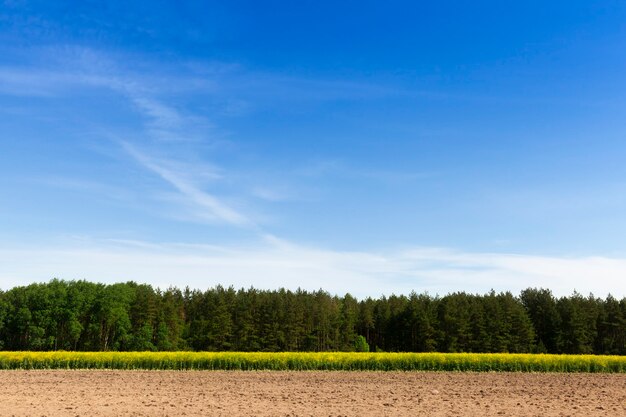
299 361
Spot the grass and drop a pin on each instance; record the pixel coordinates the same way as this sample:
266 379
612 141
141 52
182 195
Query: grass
299 361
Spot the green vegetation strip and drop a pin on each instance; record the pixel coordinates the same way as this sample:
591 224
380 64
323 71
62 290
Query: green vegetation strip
299 361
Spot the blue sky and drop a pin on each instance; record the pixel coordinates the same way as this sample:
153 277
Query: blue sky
367 147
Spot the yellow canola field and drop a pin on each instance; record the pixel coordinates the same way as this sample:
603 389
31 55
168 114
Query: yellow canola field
477 362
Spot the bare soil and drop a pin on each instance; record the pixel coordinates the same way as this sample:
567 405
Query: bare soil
213 393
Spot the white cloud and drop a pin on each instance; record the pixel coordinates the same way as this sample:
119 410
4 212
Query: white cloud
78 68
71 69
166 117
271 194
212 207
18 81
276 263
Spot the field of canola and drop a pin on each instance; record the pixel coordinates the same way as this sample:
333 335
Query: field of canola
299 361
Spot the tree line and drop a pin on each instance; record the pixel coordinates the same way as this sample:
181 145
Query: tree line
85 316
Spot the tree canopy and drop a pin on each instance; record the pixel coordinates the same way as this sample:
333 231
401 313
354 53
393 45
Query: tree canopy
85 316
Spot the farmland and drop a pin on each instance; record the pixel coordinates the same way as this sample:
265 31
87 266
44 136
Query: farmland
222 393
307 361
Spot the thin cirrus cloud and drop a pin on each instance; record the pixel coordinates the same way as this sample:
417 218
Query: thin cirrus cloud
213 207
83 68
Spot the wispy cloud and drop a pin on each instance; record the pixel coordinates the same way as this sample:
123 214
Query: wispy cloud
81 186
213 208
72 68
165 116
274 263
339 168
271 194
79 68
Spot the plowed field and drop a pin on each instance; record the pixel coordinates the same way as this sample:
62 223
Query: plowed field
218 393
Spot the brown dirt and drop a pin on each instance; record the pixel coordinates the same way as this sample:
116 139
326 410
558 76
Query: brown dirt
200 393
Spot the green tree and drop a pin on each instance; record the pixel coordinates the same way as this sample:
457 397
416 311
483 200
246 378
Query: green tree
418 322
542 310
611 327
455 323
578 324
360 344
348 322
